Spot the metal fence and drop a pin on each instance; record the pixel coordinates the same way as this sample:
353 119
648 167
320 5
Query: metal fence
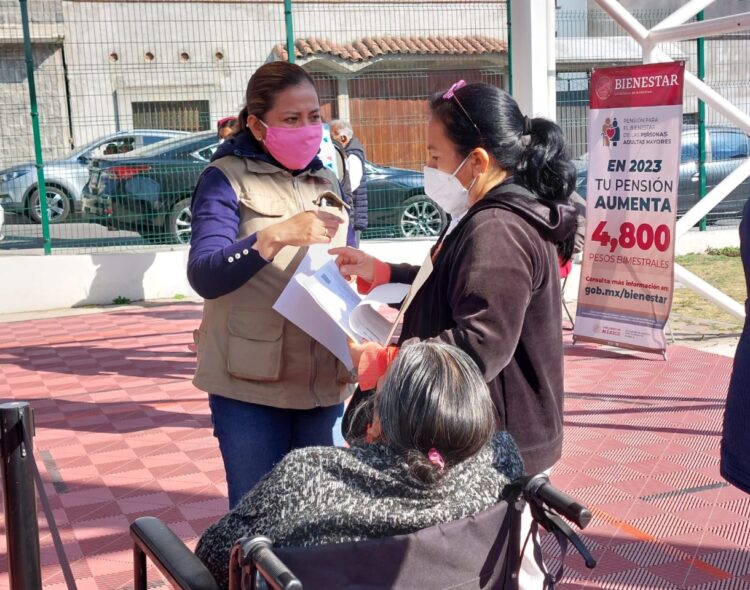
129 94
586 40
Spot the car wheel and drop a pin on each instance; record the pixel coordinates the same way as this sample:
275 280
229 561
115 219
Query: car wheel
420 216
58 205
180 221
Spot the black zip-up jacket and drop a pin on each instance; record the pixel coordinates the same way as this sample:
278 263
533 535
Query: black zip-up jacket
359 195
735 441
495 293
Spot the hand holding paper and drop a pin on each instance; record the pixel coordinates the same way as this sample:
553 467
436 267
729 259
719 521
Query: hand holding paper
352 262
322 303
303 229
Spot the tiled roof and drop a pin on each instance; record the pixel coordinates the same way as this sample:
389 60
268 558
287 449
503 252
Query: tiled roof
372 47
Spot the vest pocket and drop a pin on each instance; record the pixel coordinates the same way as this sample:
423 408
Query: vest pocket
256 344
265 206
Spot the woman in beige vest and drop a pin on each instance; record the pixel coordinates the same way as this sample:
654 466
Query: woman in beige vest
263 199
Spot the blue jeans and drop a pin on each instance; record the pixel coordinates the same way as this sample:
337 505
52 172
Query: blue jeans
253 438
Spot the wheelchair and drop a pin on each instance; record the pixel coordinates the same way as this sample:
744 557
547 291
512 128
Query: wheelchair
482 551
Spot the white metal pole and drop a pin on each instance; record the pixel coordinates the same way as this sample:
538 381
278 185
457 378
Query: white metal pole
530 68
628 22
551 66
706 28
649 54
623 18
717 102
702 288
683 14
708 94
713 198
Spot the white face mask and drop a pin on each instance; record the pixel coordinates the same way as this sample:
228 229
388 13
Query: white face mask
447 191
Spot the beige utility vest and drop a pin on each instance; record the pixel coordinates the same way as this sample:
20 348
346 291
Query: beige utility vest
246 350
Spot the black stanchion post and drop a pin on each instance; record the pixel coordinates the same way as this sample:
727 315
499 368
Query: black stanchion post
21 526
140 580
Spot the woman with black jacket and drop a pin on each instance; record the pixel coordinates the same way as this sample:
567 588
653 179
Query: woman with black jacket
493 290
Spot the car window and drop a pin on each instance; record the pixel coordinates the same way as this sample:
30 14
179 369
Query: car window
207 152
181 144
119 145
726 145
149 139
689 150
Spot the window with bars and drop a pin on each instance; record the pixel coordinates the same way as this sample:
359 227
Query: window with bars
179 115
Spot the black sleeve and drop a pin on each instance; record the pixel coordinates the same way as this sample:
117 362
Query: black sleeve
403 273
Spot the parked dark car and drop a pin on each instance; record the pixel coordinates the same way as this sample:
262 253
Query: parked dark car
64 179
397 205
726 149
149 191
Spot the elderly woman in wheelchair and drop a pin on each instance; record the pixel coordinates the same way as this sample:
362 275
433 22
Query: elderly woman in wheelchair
432 457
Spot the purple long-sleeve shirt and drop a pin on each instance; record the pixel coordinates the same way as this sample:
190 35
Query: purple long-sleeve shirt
217 264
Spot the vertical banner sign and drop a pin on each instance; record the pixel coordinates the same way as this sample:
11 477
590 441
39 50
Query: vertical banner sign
627 277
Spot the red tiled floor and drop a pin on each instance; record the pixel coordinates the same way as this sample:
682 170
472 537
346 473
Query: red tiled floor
125 434
671 522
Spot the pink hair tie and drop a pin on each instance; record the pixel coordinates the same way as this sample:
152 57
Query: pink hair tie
436 458
452 90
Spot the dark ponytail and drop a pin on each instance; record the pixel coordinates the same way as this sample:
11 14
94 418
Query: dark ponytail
421 468
532 150
242 120
545 167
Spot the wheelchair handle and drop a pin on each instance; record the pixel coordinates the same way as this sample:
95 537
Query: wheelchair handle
260 550
540 489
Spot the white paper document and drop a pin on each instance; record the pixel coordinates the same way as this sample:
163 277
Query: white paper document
321 302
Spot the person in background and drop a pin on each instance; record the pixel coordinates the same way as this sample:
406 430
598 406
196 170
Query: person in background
342 132
342 172
735 440
226 127
566 266
263 199
580 204
433 457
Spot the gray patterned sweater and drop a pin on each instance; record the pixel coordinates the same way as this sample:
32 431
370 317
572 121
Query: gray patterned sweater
321 495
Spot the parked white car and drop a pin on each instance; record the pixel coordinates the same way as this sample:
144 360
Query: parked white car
64 179
2 222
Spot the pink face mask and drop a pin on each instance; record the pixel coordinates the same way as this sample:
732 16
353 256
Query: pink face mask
293 147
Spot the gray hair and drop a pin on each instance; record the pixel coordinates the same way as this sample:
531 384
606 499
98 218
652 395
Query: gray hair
434 396
345 126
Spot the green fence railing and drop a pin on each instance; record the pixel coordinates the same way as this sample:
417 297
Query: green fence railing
129 95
